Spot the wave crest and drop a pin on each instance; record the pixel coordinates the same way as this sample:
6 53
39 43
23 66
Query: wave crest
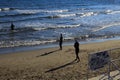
56 27
18 43
6 9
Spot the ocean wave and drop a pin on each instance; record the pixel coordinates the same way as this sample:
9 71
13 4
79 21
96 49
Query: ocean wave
6 9
109 12
66 15
45 11
55 27
115 12
59 16
33 17
32 13
21 43
18 43
86 14
105 26
33 27
105 12
55 11
28 11
18 13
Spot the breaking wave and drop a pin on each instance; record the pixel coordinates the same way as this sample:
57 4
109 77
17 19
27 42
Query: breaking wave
60 16
36 14
55 27
16 12
106 26
18 43
6 9
35 28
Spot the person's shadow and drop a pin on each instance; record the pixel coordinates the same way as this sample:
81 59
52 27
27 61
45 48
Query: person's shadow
47 53
62 66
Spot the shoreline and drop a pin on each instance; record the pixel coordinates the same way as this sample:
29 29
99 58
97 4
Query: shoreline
52 63
50 45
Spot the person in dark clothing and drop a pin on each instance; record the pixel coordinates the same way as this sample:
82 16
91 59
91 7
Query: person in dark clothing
60 41
12 26
76 46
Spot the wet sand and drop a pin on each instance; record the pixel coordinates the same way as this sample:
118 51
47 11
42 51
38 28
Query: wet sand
52 63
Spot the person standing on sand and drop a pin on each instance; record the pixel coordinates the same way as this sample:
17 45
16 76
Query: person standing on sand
60 41
76 46
12 26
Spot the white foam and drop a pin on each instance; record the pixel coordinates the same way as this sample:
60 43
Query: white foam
5 44
86 14
105 12
28 11
108 11
105 26
68 26
5 9
43 26
66 15
38 11
52 11
115 12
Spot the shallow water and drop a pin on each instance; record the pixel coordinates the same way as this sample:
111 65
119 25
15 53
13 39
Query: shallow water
41 21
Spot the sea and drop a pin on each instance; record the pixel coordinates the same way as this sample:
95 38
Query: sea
40 22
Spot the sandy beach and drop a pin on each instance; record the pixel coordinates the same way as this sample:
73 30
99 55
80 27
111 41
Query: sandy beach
52 63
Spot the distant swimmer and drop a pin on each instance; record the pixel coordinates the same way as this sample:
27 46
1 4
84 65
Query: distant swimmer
12 26
61 41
